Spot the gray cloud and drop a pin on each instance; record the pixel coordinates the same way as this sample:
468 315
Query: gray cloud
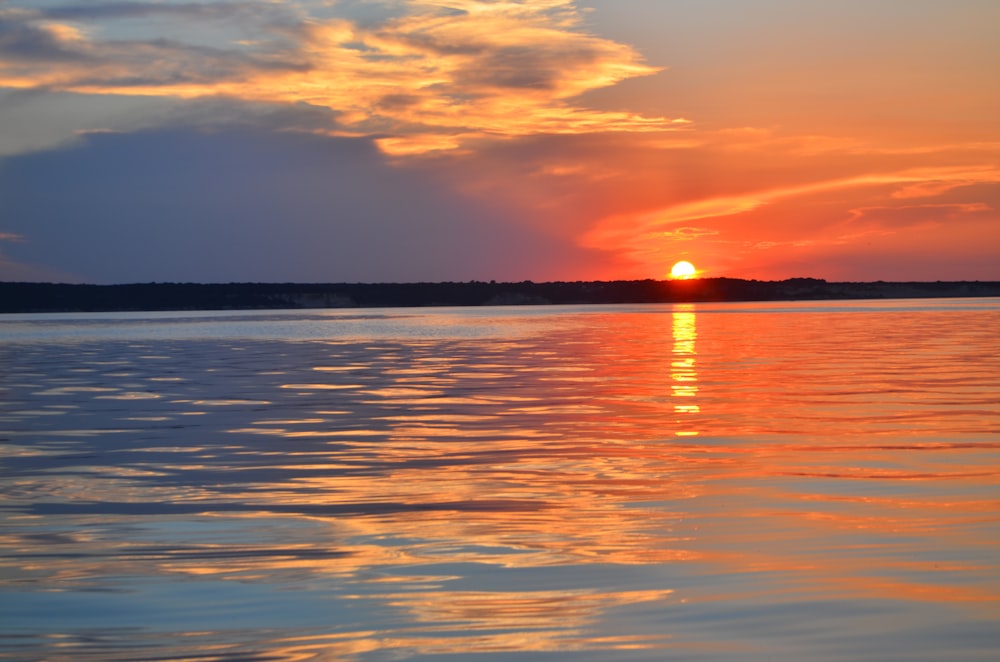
248 13
106 10
40 43
517 67
167 62
21 40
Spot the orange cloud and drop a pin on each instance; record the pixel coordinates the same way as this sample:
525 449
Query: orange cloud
435 77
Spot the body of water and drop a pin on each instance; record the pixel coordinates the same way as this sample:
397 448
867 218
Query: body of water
692 482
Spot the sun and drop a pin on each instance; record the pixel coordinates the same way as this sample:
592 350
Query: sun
683 270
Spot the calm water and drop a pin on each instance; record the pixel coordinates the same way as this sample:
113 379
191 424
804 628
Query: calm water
736 481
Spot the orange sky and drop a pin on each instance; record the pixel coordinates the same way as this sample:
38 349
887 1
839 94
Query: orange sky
600 138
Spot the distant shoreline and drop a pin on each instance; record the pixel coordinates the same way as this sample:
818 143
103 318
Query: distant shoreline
59 297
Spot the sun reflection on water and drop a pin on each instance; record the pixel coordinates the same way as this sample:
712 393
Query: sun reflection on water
682 367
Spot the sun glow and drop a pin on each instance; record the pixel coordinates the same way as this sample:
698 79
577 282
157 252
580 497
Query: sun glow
683 270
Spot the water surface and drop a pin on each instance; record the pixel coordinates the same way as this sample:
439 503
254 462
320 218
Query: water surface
709 481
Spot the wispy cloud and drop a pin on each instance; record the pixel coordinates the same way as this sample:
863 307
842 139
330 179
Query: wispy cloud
930 189
647 236
689 234
908 216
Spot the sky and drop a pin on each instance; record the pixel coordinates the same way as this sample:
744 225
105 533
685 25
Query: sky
456 140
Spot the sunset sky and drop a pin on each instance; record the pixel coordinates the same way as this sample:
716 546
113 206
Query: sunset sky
451 140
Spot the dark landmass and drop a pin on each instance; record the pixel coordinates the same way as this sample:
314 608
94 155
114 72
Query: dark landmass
52 297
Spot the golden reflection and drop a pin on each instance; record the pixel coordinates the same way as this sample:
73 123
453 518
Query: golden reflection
683 375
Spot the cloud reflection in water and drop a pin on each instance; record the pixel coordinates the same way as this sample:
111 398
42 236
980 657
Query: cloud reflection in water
538 489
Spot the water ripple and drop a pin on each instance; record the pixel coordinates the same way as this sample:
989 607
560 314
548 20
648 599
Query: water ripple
699 482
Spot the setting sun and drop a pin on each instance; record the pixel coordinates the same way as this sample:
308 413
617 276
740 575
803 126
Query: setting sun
683 270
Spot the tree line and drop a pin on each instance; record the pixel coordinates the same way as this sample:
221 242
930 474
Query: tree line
62 297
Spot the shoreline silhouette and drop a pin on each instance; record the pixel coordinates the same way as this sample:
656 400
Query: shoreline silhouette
19 297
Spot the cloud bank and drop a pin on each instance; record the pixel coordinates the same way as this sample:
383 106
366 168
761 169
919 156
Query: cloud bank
420 75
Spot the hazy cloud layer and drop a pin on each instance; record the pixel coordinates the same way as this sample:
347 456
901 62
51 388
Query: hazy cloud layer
249 206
